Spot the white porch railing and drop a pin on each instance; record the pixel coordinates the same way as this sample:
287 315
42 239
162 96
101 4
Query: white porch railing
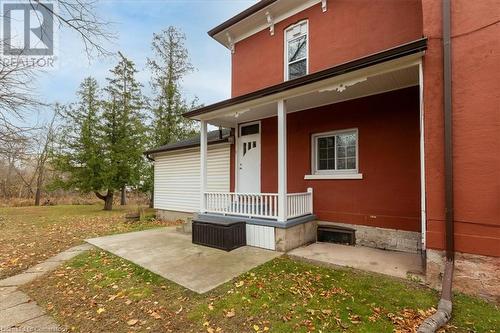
298 204
263 205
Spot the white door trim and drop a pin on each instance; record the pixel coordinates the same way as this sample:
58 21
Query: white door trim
237 152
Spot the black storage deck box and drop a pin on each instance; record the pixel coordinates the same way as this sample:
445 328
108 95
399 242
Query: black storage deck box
224 235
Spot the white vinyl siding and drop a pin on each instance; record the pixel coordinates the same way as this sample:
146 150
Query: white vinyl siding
177 177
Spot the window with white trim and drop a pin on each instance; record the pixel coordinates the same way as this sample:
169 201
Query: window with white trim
335 152
296 51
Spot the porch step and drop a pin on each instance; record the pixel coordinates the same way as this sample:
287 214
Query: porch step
186 227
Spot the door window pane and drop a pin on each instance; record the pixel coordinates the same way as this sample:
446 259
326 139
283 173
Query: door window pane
250 129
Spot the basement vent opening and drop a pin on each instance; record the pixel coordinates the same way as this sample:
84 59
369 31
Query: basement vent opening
337 235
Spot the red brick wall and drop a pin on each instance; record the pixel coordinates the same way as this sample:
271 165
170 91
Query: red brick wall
347 30
476 125
389 194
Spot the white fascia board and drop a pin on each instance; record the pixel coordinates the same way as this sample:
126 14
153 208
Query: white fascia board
221 36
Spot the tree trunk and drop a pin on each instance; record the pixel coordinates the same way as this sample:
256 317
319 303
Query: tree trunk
123 199
108 199
38 194
39 184
108 202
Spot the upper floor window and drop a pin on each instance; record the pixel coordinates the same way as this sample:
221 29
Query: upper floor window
296 51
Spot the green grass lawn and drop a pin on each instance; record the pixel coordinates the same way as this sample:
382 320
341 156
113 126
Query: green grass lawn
99 292
29 235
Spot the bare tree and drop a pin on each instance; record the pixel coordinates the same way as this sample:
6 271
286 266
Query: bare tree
17 77
47 139
81 17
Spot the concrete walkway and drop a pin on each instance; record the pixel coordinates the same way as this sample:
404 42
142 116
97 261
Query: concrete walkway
19 313
171 254
393 263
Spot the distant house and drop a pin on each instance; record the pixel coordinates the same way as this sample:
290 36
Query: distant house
338 115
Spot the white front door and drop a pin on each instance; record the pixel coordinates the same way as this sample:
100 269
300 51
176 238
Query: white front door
249 159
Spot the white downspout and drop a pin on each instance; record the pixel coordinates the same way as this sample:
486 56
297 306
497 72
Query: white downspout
423 213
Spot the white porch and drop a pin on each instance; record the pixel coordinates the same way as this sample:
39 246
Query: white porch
281 206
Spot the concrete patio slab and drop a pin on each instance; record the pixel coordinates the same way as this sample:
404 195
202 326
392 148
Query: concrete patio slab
170 254
397 264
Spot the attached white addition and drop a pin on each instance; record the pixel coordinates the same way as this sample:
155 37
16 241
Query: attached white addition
296 50
177 177
335 155
249 158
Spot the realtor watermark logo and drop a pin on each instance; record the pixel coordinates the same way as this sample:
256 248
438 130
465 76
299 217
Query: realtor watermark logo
27 33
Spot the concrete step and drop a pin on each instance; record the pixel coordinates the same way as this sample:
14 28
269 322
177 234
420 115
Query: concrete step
186 227
399 264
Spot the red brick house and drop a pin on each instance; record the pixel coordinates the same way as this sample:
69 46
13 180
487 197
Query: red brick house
338 115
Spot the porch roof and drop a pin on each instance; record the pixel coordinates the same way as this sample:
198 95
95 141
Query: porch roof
213 137
336 79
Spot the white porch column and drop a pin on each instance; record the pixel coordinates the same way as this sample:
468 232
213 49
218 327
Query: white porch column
203 164
282 174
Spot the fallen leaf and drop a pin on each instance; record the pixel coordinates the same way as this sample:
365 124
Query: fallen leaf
100 310
230 314
256 328
132 322
179 311
155 315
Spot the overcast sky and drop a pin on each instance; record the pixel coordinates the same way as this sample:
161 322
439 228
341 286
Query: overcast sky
135 21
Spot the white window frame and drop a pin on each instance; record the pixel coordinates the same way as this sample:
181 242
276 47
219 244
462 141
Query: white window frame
285 50
333 174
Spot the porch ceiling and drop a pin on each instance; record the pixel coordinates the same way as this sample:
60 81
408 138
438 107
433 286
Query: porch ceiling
387 76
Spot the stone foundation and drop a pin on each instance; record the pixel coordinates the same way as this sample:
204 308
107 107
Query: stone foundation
296 236
474 274
170 215
382 238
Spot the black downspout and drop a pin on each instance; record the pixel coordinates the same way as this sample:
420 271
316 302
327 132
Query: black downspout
445 306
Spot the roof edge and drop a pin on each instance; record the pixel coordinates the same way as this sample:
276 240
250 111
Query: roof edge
163 150
242 15
350 66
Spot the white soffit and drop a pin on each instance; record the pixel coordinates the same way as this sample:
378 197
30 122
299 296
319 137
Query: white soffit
389 76
263 19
